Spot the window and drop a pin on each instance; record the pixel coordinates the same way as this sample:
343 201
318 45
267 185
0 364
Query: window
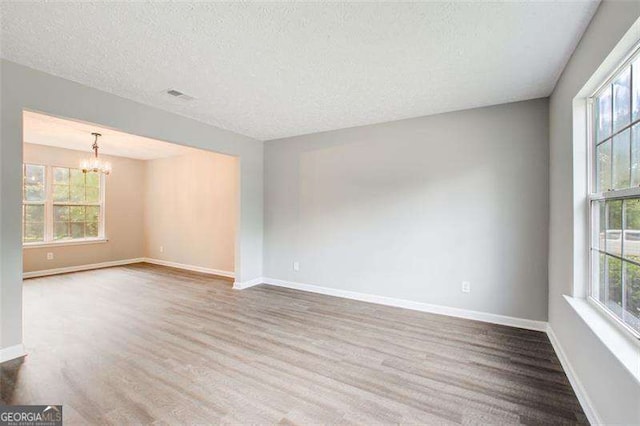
615 196
61 204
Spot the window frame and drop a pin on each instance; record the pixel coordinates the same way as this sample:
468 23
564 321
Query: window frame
48 240
594 196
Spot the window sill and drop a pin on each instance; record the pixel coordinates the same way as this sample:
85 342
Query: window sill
65 243
622 345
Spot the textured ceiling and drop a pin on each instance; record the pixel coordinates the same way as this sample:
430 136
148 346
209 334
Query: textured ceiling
42 129
270 70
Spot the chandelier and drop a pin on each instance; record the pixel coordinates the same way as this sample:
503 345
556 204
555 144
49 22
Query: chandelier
93 163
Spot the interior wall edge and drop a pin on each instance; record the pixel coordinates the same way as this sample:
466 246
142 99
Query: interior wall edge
576 384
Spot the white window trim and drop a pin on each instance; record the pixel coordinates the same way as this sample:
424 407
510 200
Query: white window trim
621 344
48 213
76 242
619 194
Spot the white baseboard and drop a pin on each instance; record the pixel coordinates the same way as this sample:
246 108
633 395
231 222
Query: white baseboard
416 306
12 352
242 285
45 272
581 394
202 269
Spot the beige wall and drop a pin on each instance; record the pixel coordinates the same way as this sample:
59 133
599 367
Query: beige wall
124 213
191 210
186 204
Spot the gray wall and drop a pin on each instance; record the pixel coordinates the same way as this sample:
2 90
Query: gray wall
410 209
613 391
25 88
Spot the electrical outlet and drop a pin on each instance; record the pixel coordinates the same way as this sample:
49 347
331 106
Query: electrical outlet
466 287
49 256
161 249
296 266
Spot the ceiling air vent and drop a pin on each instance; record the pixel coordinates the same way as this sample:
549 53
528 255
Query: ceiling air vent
178 94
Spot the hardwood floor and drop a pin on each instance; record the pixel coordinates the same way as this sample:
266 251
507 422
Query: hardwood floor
150 344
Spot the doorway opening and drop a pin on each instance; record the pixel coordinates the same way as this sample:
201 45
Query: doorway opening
160 203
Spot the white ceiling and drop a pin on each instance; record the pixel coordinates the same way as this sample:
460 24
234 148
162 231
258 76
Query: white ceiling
43 129
270 70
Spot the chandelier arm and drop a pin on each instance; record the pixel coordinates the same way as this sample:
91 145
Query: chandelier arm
95 144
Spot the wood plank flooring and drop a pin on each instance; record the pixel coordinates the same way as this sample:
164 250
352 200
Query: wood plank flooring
150 344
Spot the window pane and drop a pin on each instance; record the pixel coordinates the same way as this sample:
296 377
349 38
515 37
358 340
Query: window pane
76 213
34 192
60 193
635 154
631 246
631 312
77 193
34 213
33 183
93 179
93 195
622 100
602 277
77 230
603 115
76 177
621 160
92 213
61 175
614 284
91 229
603 166
614 227
61 230
33 232
636 90
33 174
599 221
61 213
